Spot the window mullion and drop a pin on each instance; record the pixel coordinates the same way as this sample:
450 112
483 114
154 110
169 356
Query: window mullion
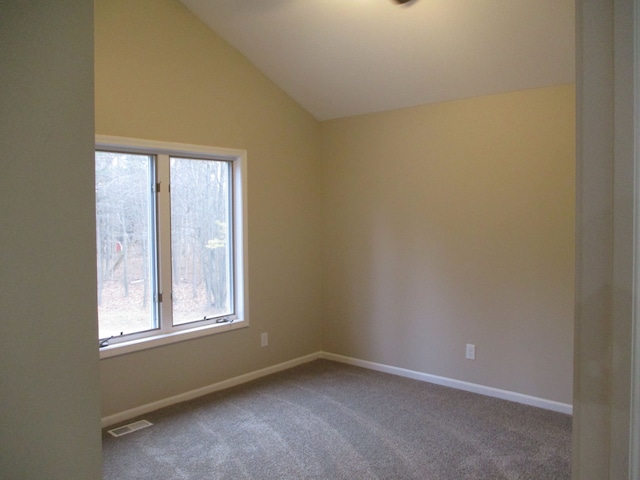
135 236
164 243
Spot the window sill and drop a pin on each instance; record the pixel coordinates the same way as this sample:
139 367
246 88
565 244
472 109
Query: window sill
136 345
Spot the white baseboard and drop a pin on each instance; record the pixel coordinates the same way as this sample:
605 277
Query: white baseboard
449 382
232 382
425 377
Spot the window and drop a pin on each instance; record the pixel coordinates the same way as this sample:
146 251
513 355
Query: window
171 242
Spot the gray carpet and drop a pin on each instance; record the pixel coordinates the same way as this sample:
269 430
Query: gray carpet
325 420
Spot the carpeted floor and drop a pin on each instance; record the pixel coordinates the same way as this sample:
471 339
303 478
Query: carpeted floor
325 420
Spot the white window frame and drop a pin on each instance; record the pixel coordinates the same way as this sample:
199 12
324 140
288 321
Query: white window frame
167 334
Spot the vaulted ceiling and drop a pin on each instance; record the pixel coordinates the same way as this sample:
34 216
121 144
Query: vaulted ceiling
340 58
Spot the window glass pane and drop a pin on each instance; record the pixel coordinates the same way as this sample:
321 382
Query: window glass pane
124 238
200 239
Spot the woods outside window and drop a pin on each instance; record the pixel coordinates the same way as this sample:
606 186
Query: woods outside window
170 240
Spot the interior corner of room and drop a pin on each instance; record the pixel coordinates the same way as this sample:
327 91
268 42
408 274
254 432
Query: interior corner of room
470 242
379 237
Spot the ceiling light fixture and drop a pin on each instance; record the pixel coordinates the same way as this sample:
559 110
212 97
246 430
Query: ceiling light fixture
400 2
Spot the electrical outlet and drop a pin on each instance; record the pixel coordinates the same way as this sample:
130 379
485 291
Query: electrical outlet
471 351
264 339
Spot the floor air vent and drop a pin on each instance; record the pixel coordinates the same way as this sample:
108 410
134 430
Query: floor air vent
132 427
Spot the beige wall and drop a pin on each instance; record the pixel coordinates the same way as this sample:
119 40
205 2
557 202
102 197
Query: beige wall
49 391
450 224
50 379
430 242
161 74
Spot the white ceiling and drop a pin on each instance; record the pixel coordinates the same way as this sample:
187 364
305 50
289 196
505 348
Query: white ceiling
340 58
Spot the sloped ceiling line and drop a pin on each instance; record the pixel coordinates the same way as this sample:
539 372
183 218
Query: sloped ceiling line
339 58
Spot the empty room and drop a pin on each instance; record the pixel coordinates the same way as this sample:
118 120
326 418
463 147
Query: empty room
414 242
